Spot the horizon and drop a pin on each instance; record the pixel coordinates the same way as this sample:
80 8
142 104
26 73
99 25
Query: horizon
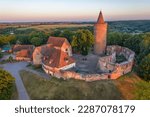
72 11
69 22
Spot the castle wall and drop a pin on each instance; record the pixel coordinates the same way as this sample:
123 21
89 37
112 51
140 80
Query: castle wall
106 64
116 69
86 77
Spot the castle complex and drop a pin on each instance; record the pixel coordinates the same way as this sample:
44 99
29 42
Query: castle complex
57 59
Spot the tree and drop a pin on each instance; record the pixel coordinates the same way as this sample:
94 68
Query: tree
133 43
115 38
6 85
56 33
144 47
5 39
82 41
67 34
36 41
23 39
38 34
144 68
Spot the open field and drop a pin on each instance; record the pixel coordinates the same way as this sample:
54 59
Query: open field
39 88
127 87
43 27
59 26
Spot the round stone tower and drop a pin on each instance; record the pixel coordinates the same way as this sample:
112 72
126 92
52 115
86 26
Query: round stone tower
100 34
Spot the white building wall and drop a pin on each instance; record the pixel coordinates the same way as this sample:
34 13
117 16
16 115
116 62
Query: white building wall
68 66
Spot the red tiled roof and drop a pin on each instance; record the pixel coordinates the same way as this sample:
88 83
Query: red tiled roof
56 41
44 49
24 53
21 47
57 58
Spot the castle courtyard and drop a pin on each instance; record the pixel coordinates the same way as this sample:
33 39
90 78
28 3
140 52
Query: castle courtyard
86 64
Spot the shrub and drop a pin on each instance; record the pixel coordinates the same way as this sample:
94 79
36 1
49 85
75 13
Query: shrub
6 85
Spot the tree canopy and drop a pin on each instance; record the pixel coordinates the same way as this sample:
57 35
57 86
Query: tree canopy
5 39
82 41
6 85
144 68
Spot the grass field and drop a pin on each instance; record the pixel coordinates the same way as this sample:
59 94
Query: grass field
127 87
43 27
133 87
39 88
54 26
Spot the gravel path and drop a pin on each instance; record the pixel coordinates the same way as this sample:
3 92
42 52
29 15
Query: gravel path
14 69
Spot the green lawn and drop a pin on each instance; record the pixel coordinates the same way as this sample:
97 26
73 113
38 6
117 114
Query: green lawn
39 88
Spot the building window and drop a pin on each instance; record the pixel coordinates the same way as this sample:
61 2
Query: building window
66 60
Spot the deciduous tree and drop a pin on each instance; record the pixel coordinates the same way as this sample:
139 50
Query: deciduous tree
82 41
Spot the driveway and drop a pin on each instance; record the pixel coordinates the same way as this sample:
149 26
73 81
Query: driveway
14 69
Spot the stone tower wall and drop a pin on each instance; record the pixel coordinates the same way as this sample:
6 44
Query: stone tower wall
100 33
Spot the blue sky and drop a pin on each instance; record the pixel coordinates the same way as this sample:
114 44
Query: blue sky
73 10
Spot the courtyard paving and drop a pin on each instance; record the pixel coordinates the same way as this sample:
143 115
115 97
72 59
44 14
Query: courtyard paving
86 64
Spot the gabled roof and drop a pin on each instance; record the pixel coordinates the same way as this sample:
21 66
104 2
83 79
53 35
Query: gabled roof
100 18
57 58
56 41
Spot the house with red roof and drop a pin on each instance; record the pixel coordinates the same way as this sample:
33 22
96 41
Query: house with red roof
23 52
54 56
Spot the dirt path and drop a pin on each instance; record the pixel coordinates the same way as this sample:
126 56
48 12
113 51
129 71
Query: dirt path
14 69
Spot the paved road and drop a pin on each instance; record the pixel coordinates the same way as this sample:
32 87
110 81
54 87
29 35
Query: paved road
14 69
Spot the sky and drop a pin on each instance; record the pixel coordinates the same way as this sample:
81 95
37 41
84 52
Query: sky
72 10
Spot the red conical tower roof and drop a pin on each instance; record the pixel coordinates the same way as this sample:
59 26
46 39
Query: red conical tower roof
100 18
